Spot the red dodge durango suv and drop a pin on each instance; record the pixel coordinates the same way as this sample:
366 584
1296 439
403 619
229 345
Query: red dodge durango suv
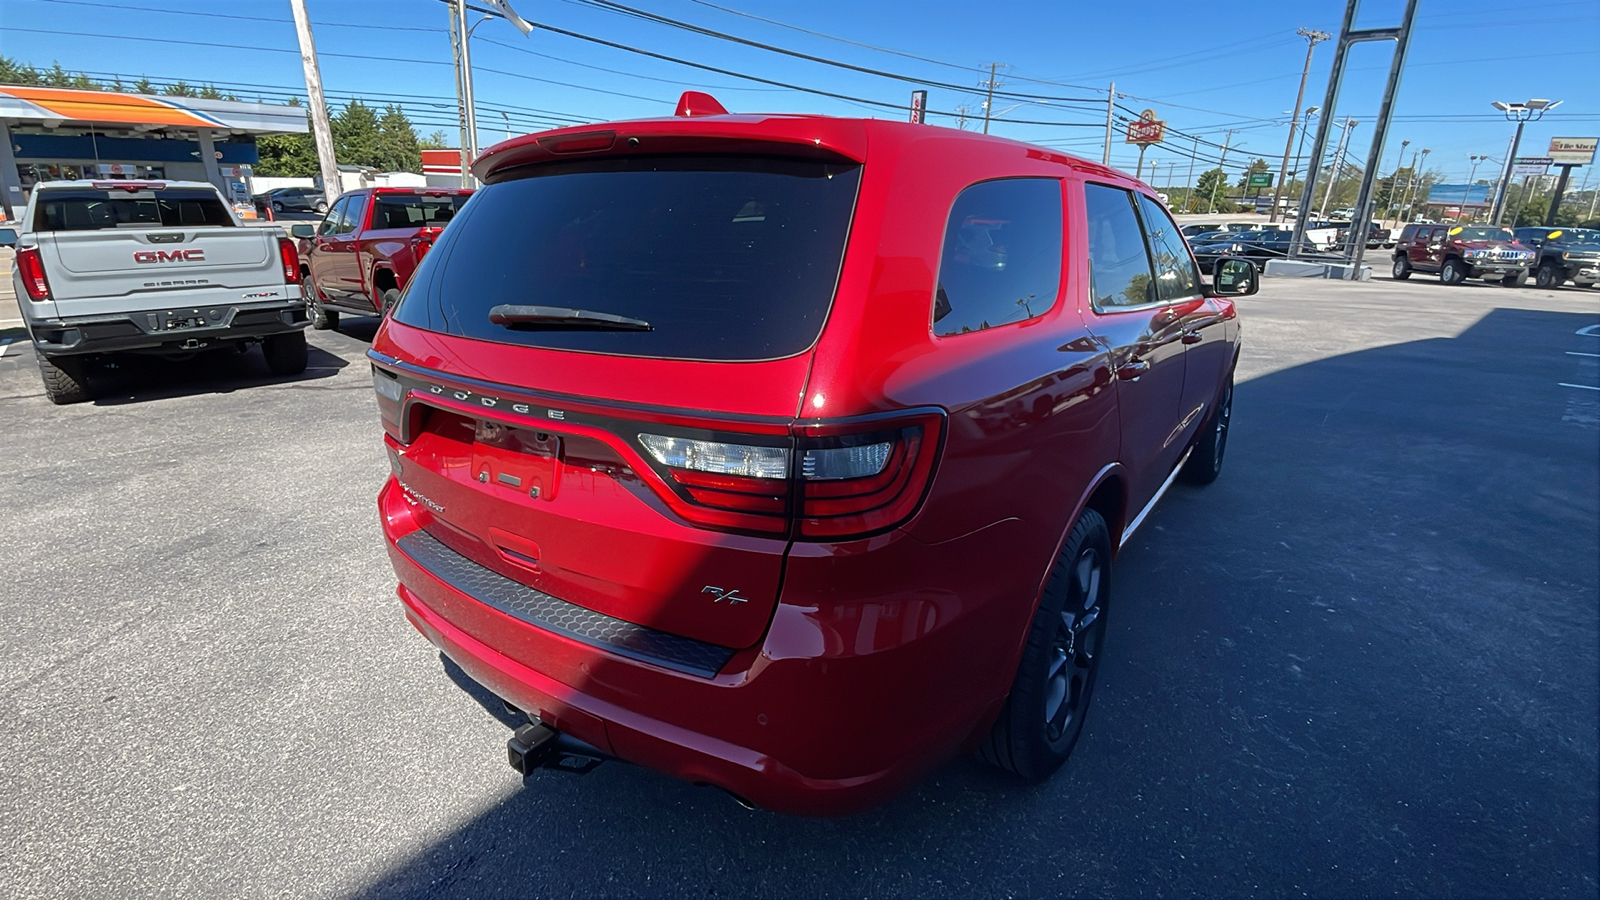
792 454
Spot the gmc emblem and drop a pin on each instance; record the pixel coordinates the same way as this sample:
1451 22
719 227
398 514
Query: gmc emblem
161 256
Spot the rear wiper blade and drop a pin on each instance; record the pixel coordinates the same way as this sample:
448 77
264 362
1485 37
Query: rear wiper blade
512 315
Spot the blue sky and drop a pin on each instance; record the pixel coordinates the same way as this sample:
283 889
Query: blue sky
1205 68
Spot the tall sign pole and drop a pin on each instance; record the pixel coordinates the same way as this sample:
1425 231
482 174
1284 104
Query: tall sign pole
321 130
1313 38
919 107
1111 105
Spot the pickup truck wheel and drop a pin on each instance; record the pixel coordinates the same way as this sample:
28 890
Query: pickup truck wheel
65 380
388 300
1548 277
1454 272
1402 268
286 353
321 319
1043 717
1205 461
1516 279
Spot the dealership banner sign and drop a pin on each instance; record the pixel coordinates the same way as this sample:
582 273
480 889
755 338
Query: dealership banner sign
1571 151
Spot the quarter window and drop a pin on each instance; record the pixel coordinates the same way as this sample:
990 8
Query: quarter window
1119 262
1176 278
1002 255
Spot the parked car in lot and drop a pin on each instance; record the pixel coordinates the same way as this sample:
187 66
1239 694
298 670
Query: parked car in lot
1378 237
1459 252
797 461
293 200
361 256
150 267
1259 246
1564 254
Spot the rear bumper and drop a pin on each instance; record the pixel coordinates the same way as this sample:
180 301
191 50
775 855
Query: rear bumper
837 710
168 330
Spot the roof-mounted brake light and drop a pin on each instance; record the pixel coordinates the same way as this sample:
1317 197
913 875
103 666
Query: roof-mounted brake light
695 103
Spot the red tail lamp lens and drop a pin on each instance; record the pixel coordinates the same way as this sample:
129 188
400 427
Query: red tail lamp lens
291 261
31 268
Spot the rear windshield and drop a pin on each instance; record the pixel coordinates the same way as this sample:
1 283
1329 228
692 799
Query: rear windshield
727 258
415 210
91 210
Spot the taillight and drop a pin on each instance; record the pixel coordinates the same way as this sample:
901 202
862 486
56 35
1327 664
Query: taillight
833 481
31 268
291 261
858 478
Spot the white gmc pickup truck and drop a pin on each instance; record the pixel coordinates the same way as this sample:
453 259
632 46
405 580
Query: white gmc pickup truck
150 267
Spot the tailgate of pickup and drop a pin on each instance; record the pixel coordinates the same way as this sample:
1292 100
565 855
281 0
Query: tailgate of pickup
125 269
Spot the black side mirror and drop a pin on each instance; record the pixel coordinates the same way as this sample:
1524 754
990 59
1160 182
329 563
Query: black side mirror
302 230
8 237
1234 277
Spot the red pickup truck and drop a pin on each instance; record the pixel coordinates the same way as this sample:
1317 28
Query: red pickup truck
359 258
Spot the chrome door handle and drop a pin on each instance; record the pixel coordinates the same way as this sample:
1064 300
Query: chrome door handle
1191 337
1132 369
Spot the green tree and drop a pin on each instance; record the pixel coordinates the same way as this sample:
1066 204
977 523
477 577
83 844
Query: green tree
55 76
286 156
436 141
180 89
356 135
210 92
398 149
14 72
1213 182
143 86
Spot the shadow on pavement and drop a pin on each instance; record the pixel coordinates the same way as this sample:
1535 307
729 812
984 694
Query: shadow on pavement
1364 661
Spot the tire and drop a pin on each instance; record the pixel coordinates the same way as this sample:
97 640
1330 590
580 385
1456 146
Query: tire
388 300
1043 717
1402 268
65 379
277 206
321 207
321 319
1205 461
1454 272
286 353
1548 277
1516 279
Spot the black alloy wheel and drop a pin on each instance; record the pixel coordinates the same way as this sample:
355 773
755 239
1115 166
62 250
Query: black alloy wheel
1044 715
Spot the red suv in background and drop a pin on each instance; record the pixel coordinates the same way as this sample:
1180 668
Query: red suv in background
361 256
1459 252
792 454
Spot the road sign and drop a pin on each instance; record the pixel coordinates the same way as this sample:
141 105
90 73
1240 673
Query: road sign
1260 180
1572 151
1530 166
919 107
1147 129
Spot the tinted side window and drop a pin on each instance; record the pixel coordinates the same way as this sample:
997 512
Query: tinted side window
1002 255
353 214
330 223
1119 262
1176 277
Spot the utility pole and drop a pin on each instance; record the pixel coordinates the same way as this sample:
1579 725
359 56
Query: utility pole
1111 106
457 31
321 130
1394 180
962 112
1338 164
1313 38
988 102
466 79
1211 205
1417 160
1188 183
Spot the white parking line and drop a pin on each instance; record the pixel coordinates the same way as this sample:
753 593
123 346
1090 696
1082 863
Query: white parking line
5 344
1580 353
1589 330
1587 387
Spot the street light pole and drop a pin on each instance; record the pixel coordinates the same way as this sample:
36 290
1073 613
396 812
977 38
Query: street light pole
1394 181
1305 126
1417 161
1338 163
1467 191
1521 113
1313 38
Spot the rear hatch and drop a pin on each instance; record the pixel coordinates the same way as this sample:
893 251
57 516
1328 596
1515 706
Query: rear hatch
114 249
593 377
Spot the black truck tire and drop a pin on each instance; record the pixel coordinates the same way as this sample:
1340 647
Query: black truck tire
1548 277
286 353
65 378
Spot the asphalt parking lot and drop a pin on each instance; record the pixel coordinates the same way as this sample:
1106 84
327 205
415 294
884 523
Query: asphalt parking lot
1365 662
